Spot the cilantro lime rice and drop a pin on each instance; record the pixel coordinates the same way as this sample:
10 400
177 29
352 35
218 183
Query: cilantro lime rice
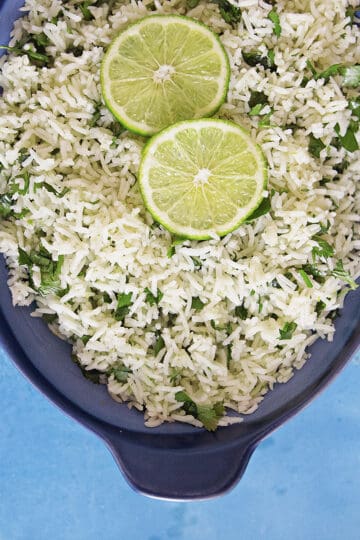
182 330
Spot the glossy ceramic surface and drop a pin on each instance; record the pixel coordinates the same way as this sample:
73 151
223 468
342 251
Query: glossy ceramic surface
172 461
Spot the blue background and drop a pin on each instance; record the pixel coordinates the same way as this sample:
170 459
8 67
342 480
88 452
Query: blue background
59 482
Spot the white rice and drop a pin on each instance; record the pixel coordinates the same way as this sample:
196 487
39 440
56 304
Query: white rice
101 224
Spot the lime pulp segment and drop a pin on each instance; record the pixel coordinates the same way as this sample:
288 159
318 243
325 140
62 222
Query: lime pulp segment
164 69
202 178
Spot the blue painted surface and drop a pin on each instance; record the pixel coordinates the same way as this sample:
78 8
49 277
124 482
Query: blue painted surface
59 482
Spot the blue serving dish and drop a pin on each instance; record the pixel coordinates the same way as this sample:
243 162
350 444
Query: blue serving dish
172 461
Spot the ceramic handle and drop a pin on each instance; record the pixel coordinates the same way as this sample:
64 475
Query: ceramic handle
180 474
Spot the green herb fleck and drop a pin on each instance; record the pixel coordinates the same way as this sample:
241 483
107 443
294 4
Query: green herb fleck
287 331
151 298
175 376
6 206
306 278
159 343
51 189
120 372
84 8
197 304
256 110
348 141
208 415
314 272
177 240
124 301
49 318
76 51
254 58
93 375
275 19
263 209
49 270
197 262
241 312
96 114
323 249
340 273
354 14
315 146
230 13
320 306
258 98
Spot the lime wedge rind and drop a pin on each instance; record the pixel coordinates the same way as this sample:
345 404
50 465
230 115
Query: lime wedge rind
145 126
149 160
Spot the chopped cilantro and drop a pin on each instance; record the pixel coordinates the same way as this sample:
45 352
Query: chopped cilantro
323 249
354 14
320 306
23 155
197 304
49 270
208 415
335 69
92 375
286 332
107 298
241 312
7 200
315 146
258 98
55 19
324 228
228 354
177 240
313 271
124 301
36 52
348 141
256 110
263 209
76 51
191 4
340 273
265 119
120 372
254 58
84 8
51 189
41 39
49 318
96 114
175 376
230 13
197 262
117 128
151 298
159 343
350 74
275 19
6 206
306 278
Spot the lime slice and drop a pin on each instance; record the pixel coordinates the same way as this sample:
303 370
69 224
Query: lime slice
164 69
202 178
